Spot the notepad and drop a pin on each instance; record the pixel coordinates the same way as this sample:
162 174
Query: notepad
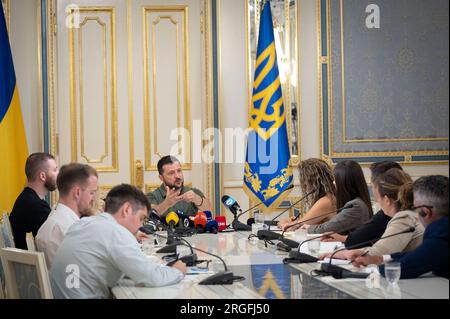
334 261
197 271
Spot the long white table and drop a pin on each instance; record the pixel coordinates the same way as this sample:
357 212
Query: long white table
267 277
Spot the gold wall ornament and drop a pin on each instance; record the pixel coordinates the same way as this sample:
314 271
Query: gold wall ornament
177 15
139 169
108 86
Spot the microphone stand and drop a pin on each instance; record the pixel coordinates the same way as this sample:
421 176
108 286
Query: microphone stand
237 225
339 272
271 223
225 277
290 187
267 234
299 257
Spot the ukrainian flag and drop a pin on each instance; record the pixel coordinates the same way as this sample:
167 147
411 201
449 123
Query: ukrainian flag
267 172
13 143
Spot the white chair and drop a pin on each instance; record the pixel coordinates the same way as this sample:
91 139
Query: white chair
6 231
26 274
31 245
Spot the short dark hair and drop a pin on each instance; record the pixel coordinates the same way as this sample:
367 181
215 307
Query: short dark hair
164 161
72 174
123 193
379 168
36 163
433 188
350 184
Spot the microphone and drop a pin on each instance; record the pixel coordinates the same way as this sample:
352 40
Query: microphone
190 260
221 223
251 221
184 220
270 235
212 227
299 257
172 220
231 204
200 221
225 277
339 272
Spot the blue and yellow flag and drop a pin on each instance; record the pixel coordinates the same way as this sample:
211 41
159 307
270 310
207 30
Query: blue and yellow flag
267 172
13 143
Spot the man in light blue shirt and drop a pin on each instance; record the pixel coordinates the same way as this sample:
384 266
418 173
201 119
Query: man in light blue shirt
98 251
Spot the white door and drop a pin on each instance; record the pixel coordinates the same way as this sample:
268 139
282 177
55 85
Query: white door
129 73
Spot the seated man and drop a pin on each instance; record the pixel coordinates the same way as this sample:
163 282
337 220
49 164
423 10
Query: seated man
173 195
77 186
100 250
31 210
432 203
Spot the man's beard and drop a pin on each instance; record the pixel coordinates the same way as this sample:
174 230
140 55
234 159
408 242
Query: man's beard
173 186
50 185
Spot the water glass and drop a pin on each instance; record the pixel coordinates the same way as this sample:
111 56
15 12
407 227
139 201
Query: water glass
314 246
256 227
148 245
161 241
392 271
259 218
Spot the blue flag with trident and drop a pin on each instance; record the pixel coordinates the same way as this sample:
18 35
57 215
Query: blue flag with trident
267 172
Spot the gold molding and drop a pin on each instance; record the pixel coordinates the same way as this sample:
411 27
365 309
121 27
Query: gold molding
219 89
7 12
319 75
51 78
113 89
40 103
81 90
209 102
149 166
130 91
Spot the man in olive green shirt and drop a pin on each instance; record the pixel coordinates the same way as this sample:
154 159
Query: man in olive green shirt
172 195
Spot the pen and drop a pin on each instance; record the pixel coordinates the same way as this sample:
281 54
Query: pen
362 255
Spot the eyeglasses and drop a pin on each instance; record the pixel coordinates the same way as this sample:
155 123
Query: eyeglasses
422 206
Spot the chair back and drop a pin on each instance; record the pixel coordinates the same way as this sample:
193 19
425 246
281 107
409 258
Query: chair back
31 245
6 231
26 274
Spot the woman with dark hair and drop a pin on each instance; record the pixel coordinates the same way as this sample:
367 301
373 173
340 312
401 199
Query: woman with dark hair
352 191
393 191
376 226
315 176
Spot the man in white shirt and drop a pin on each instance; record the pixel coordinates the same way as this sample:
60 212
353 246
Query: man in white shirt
98 251
77 186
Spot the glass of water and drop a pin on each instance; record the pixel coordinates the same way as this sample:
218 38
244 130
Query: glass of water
161 240
148 245
314 246
392 271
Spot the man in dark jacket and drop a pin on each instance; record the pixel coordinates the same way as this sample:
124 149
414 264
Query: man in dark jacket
31 210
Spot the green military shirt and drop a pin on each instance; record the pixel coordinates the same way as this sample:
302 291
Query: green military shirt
159 195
